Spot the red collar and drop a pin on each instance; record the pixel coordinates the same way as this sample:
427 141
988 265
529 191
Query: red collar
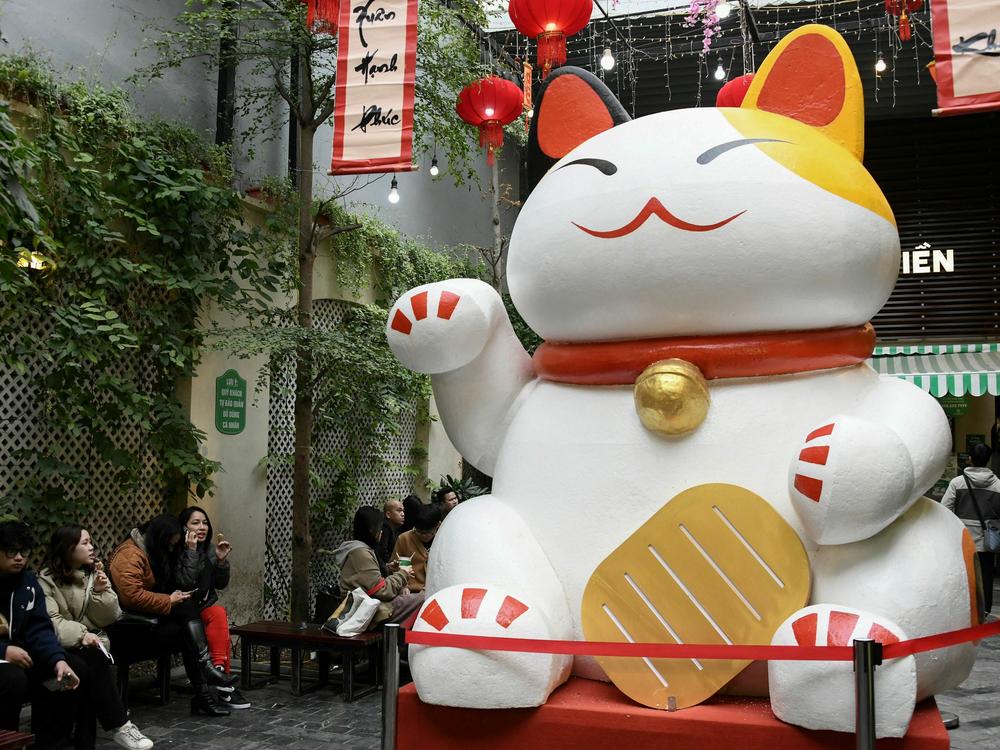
731 356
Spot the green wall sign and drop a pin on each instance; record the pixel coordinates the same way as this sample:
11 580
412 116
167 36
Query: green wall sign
954 406
230 403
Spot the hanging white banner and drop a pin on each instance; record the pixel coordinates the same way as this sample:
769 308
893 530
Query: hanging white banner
376 73
966 55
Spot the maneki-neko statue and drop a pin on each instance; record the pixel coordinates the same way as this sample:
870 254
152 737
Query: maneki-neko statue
698 452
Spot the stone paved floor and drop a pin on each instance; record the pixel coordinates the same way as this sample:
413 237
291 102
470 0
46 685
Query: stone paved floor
276 719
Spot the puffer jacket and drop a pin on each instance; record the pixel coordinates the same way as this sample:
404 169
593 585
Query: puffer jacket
958 500
199 569
133 578
28 623
359 567
64 602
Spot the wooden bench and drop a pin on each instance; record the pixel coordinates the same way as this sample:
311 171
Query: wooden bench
277 635
15 740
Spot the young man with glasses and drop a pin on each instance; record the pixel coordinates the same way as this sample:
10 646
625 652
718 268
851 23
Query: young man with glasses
33 663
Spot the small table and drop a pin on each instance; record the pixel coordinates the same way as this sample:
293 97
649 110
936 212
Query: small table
15 740
277 635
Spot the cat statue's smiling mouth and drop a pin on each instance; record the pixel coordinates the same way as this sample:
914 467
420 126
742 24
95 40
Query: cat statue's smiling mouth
653 207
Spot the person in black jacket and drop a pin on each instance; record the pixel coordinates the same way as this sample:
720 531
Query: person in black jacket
203 567
29 646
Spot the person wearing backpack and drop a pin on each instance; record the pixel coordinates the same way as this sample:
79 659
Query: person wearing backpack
974 496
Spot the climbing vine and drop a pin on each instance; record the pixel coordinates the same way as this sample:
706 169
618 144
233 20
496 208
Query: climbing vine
116 234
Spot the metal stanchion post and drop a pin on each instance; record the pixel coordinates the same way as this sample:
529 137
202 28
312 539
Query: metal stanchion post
390 684
867 655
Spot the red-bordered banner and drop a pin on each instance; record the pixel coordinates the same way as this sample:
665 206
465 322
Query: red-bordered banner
376 73
966 55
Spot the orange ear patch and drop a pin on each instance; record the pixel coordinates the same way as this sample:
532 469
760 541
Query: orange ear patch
571 113
806 82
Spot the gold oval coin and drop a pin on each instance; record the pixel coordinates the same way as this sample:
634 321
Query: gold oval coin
717 564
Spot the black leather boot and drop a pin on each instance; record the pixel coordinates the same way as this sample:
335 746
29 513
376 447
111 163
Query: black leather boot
195 631
204 703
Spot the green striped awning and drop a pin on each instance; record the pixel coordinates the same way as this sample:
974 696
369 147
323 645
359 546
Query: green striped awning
971 373
893 349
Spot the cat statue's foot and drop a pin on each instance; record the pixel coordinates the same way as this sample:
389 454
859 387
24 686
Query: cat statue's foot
484 679
820 694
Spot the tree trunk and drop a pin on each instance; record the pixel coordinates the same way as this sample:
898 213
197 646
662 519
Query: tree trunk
301 538
497 271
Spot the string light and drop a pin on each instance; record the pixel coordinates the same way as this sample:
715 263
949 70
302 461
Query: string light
880 65
607 59
394 191
434 167
720 72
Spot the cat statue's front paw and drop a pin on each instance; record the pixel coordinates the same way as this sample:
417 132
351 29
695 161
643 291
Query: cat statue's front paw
468 678
850 479
440 327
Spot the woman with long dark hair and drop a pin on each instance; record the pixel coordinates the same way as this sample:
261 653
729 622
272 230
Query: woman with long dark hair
203 567
359 566
142 568
81 603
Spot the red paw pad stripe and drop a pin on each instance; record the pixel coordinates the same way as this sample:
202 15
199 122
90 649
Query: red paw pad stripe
882 635
472 600
811 488
820 432
447 304
815 455
434 616
805 629
841 628
401 323
419 304
510 610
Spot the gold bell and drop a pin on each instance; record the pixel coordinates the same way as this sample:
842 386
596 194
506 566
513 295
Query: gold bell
671 397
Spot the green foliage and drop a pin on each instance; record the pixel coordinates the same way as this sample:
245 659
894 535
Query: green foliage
376 253
137 231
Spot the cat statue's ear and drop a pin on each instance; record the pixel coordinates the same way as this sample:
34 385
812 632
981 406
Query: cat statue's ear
811 76
572 105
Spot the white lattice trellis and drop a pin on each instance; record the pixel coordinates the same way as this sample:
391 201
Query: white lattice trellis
376 482
23 432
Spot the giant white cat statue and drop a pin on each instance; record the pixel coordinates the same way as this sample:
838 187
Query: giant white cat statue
751 244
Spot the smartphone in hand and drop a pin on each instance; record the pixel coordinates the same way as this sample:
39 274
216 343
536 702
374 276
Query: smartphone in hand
54 684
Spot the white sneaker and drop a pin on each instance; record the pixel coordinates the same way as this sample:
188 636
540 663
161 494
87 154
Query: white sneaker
129 736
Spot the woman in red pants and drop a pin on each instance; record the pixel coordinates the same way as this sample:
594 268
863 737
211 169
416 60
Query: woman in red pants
203 566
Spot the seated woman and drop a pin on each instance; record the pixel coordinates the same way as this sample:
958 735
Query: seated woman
142 570
203 566
81 603
359 566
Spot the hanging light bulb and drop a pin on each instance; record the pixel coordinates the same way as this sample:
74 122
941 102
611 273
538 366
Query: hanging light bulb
720 72
723 9
880 66
607 59
434 167
393 191
531 113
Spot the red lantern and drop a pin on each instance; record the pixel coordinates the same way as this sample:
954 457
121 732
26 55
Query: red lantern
324 13
489 104
903 8
734 92
549 22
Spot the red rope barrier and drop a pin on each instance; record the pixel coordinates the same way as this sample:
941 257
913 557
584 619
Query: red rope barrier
696 650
